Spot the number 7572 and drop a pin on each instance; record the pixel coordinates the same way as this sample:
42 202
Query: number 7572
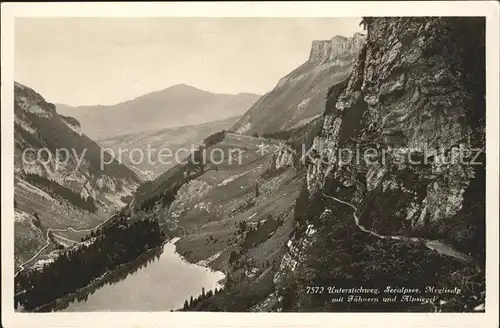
315 290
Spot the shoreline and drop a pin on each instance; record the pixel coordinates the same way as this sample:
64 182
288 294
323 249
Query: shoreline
56 305
22 265
206 266
59 304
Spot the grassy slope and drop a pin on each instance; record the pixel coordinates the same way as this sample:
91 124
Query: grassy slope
170 138
300 97
209 209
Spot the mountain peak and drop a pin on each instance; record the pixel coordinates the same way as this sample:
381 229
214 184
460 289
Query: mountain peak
183 87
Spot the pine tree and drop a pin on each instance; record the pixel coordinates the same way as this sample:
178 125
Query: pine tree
202 292
186 305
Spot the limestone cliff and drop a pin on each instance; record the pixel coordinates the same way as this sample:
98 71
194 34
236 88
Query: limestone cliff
299 96
414 100
338 48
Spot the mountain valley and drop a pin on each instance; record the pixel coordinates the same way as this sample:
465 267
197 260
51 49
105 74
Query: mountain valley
177 139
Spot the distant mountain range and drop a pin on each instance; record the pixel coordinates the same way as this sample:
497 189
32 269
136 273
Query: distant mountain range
178 105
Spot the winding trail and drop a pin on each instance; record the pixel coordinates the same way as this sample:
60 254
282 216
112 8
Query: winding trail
434 245
49 230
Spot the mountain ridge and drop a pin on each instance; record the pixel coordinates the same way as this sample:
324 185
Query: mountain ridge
57 191
174 86
300 94
178 105
337 47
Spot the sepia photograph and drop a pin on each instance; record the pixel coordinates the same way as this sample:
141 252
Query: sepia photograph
243 164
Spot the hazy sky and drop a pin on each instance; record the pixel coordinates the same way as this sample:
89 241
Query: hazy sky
89 61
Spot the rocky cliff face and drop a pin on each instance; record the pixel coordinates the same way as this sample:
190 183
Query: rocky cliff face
413 108
412 93
300 95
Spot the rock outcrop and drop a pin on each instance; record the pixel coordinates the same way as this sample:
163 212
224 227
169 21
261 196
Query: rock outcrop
338 48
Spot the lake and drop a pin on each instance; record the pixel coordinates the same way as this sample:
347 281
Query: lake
161 284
